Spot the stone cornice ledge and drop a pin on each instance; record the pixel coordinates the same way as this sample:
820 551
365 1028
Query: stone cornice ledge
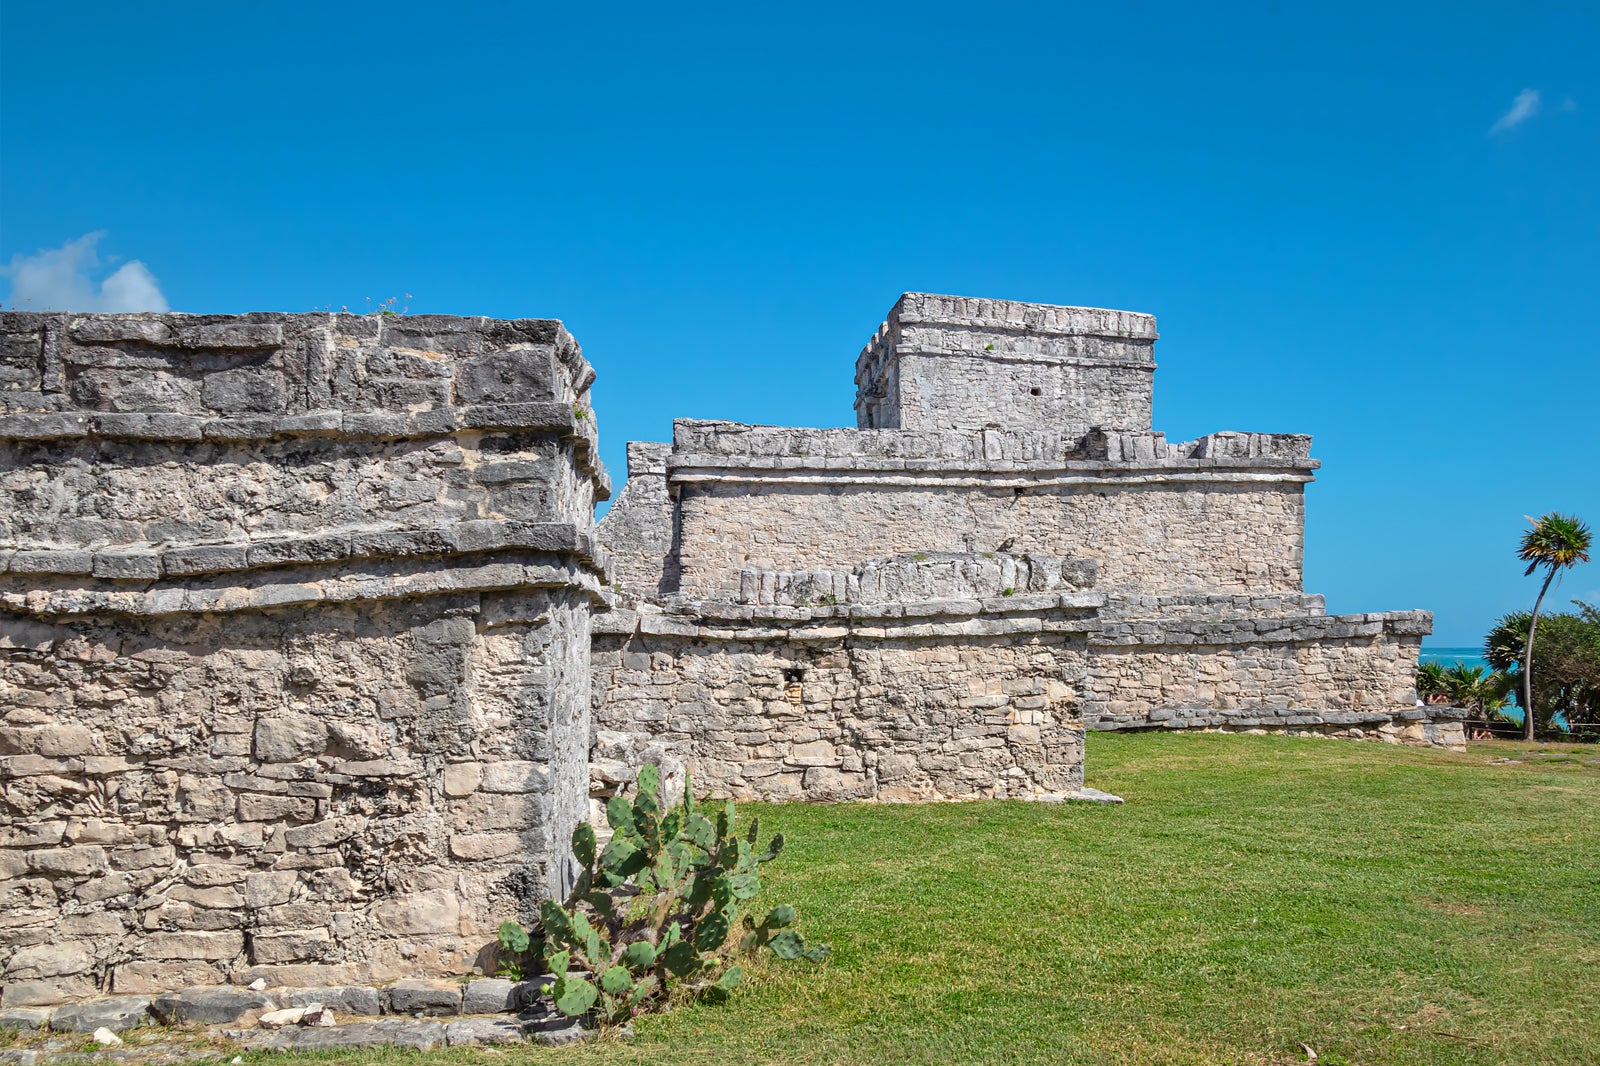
148 562
324 424
384 564
688 469
1137 634
1073 612
387 580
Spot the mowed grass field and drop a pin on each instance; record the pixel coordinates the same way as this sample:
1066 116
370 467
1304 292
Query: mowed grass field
1377 904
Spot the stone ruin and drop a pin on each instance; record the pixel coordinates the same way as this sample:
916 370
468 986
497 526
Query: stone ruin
297 681
938 603
294 637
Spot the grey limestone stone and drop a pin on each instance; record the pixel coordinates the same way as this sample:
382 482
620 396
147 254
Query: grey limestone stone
116 1013
471 1032
209 1006
490 995
25 1019
424 997
344 1000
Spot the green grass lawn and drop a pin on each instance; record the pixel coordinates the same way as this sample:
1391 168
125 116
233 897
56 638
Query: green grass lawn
1379 904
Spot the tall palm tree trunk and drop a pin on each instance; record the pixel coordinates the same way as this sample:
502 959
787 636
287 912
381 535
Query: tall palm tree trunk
1527 661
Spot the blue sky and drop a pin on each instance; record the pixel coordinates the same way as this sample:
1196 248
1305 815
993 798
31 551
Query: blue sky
1376 223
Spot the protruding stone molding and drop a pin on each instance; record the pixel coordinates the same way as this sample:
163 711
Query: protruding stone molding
1068 613
260 377
924 308
992 458
390 578
150 562
1020 476
265 331
327 425
1128 633
905 350
1214 606
365 425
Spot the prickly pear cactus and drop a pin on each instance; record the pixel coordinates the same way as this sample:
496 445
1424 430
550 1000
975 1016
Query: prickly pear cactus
660 906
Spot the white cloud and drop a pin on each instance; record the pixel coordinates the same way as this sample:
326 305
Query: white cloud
1524 107
65 279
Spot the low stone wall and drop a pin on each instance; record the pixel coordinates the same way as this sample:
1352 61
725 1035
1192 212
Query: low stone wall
930 702
1218 665
1423 727
294 634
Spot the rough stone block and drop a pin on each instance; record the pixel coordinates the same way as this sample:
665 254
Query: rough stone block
435 911
476 847
424 997
197 945
209 1006
289 739
149 977
295 945
25 1019
117 1013
476 1032
490 995
59 959
344 1000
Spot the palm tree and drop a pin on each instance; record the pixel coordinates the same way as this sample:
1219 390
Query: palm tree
1557 542
1430 679
1474 686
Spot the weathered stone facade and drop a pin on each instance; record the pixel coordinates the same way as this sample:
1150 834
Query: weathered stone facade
294 639
311 657
937 603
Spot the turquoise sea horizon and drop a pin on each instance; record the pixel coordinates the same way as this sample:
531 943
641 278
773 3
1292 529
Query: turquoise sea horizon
1449 656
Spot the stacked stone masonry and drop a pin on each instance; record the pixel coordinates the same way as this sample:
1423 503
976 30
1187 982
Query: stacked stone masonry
294 641
311 656
1002 554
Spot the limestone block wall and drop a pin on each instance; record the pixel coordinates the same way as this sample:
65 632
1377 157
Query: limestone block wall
939 702
1231 520
1213 536
1237 670
952 362
294 626
638 529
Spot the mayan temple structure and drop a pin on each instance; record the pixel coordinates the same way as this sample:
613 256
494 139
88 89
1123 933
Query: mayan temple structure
938 603
311 657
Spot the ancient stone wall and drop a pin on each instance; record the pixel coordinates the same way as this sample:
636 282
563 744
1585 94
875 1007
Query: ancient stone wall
1004 451
936 702
1173 537
1274 671
642 523
952 362
294 627
1222 513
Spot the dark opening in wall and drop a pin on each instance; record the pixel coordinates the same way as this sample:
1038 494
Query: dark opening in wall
1033 391
793 691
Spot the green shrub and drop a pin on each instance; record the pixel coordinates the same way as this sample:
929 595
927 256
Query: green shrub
659 907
